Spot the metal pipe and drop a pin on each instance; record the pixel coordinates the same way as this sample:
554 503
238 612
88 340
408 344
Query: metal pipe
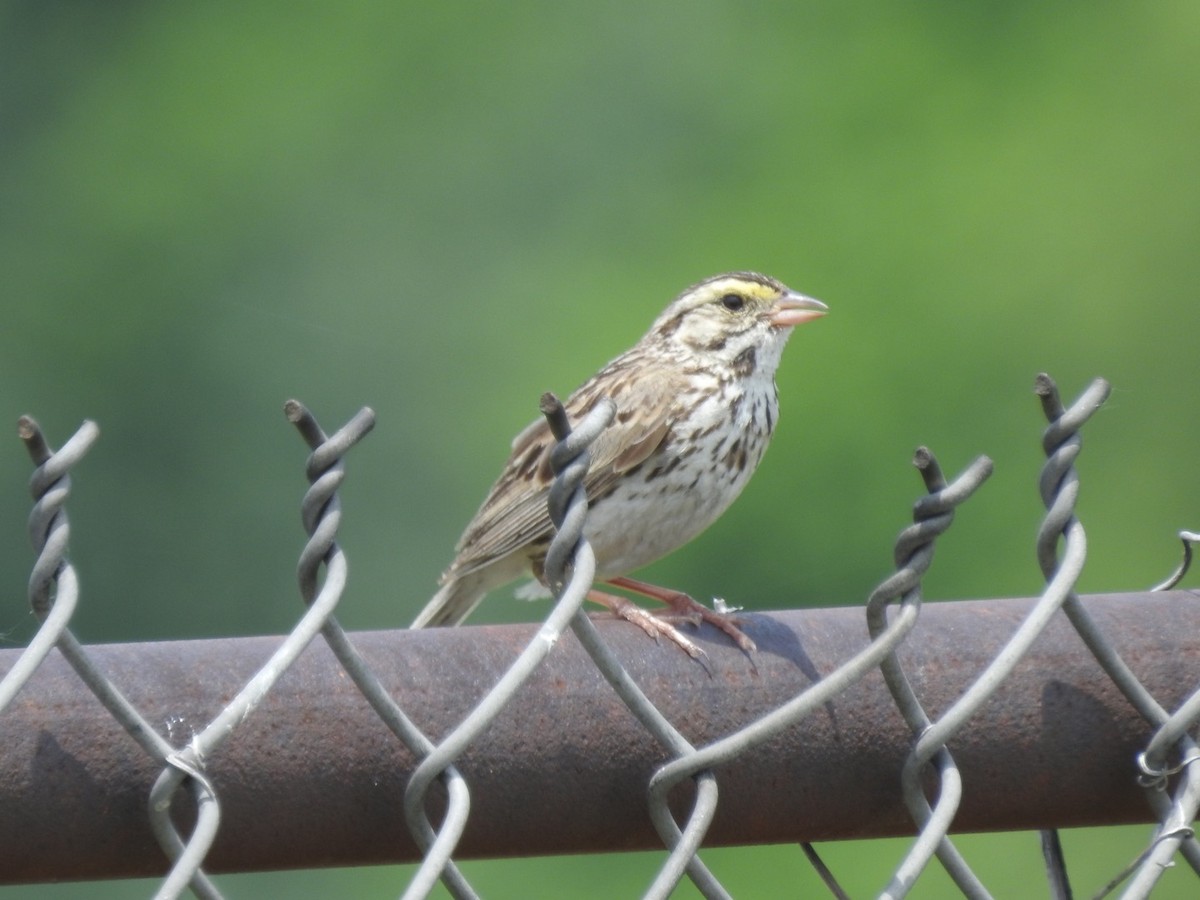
312 778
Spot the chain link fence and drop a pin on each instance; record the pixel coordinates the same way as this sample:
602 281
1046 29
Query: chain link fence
688 776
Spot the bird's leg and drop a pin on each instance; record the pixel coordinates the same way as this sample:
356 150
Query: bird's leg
655 626
685 607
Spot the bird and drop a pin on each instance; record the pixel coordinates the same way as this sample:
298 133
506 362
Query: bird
696 405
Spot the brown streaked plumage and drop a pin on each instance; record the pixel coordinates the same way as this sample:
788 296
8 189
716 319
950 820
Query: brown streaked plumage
696 404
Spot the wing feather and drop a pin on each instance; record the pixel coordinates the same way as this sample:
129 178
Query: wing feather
514 513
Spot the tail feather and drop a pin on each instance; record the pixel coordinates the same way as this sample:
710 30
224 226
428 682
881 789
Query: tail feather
455 601
463 591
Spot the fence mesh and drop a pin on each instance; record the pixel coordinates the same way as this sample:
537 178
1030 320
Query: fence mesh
930 779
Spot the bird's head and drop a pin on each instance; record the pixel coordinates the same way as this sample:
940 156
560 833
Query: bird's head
728 316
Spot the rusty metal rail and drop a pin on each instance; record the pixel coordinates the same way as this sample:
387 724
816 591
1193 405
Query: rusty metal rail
314 778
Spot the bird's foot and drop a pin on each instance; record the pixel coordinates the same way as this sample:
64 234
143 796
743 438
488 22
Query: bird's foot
655 626
681 606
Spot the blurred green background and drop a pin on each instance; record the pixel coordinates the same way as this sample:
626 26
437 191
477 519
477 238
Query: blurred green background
441 211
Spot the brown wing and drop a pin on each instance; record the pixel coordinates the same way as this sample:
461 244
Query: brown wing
514 513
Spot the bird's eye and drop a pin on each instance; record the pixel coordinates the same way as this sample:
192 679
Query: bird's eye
733 302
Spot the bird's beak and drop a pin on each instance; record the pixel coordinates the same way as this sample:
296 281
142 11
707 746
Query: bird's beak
793 309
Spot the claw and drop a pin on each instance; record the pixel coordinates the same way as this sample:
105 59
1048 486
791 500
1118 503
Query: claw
655 626
681 607
682 604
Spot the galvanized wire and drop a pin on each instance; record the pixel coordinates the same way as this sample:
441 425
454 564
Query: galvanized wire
321 504
1167 761
53 586
1059 491
570 552
1060 487
1188 538
933 515
323 520
570 462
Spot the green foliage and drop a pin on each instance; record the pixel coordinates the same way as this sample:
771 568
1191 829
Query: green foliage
441 211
